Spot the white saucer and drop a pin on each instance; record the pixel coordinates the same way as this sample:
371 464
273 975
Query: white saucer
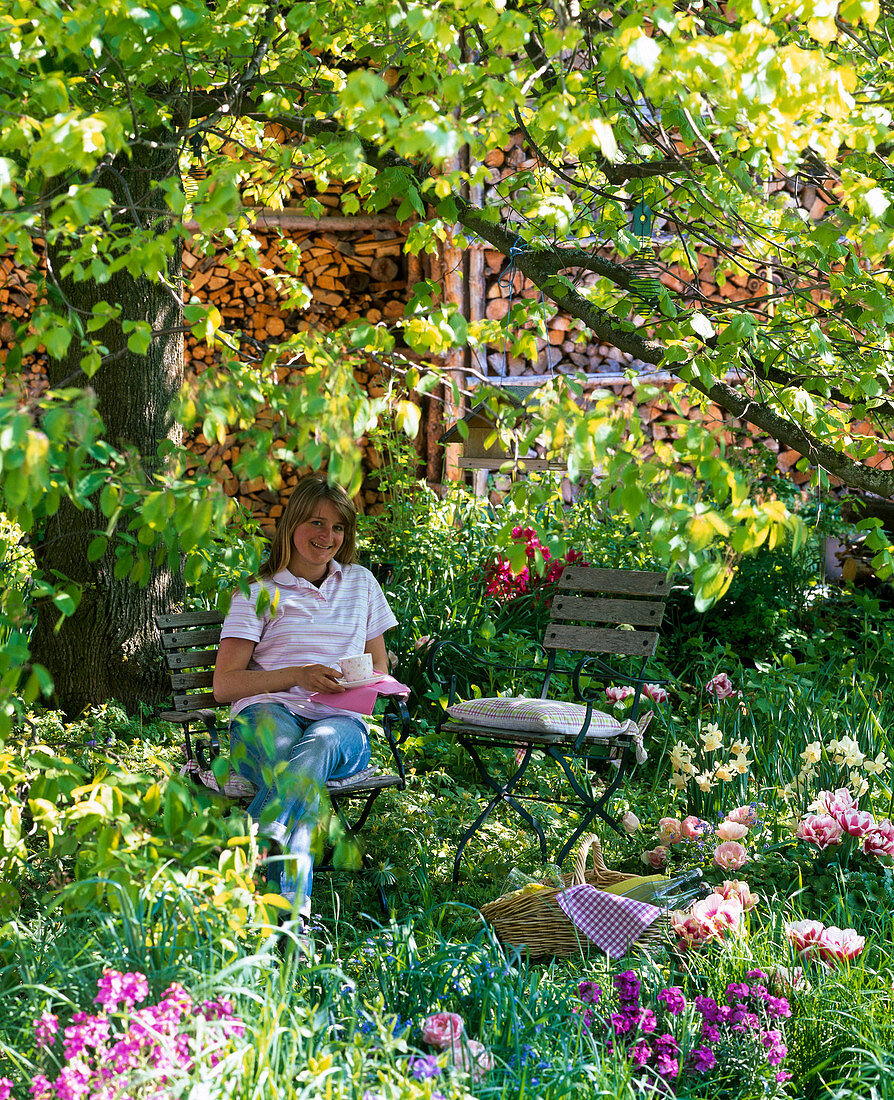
377 679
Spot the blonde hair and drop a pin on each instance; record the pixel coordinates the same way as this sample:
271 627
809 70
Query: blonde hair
301 505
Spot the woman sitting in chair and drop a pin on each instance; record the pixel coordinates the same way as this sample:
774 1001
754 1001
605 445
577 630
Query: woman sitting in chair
321 607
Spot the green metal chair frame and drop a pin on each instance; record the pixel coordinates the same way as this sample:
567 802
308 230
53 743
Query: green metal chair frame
596 613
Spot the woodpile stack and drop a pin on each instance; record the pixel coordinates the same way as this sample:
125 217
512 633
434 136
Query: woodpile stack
18 298
349 276
354 268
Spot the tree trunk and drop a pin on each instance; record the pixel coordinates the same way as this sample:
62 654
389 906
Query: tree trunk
109 648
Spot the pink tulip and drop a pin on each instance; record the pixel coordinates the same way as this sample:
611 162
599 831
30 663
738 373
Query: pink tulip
721 687
655 692
710 918
670 830
803 934
471 1057
839 945
856 822
656 858
724 912
619 694
693 828
731 855
687 929
630 823
743 815
442 1030
730 830
820 829
879 840
738 889
835 803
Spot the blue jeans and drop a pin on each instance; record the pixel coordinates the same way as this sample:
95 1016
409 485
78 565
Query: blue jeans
289 758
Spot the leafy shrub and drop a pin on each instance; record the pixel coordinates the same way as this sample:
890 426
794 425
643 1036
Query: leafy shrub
761 614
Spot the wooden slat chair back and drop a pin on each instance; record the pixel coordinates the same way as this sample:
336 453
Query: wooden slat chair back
190 641
610 612
597 617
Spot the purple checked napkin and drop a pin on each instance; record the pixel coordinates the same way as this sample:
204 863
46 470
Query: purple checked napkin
612 921
362 699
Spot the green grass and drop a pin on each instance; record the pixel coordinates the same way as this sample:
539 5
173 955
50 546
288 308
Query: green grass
342 1018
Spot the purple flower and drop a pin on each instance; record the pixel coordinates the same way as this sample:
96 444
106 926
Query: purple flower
85 1032
46 1027
641 1053
426 1066
667 1066
710 1033
627 985
115 988
589 993
775 1047
40 1087
157 1041
735 991
647 1020
709 1008
666 1044
756 976
778 1006
759 991
73 1082
5 1088
702 1059
673 999
622 1022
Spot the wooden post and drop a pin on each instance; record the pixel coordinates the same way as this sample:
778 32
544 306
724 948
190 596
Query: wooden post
453 284
476 289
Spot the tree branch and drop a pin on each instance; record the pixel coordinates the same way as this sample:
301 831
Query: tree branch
541 265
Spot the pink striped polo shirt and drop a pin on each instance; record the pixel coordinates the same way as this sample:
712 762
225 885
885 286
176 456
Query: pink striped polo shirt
309 625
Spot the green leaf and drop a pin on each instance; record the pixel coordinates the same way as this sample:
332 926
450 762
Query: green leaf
710 581
97 548
140 339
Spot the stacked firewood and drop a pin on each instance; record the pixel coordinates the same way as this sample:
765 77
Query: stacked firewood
350 276
356 269
568 350
18 298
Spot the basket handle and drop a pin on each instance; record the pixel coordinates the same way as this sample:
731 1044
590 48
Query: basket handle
588 842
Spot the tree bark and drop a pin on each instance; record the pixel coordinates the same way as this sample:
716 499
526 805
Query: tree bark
109 648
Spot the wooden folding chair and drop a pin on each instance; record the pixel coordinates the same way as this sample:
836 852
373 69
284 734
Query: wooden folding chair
190 641
595 614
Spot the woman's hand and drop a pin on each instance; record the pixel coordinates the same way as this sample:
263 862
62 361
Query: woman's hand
234 680
318 678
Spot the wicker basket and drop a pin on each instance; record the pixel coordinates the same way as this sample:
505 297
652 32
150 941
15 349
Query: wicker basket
536 923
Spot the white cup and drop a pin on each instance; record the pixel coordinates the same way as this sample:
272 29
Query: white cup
359 667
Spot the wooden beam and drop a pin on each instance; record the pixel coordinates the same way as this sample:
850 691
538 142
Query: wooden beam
260 218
